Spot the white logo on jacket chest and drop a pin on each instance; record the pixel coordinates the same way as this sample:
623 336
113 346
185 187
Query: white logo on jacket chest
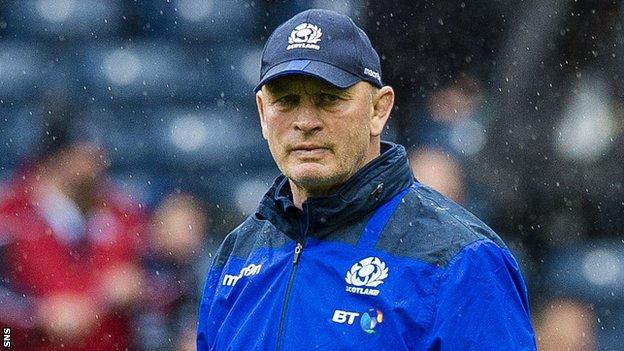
366 274
231 280
342 317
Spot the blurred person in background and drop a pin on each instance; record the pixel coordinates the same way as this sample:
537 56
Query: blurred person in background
565 324
449 118
447 135
74 245
426 45
177 236
440 171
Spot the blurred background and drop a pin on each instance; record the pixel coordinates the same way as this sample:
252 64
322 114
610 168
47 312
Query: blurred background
130 145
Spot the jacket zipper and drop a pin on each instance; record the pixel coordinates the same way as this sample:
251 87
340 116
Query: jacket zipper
295 261
291 279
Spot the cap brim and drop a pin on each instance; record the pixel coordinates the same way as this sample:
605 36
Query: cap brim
328 73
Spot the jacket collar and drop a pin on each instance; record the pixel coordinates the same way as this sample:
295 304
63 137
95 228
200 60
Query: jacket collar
371 186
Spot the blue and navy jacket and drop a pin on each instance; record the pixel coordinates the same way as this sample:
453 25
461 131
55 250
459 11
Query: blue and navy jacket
386 263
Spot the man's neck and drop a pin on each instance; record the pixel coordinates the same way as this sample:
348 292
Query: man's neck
300 194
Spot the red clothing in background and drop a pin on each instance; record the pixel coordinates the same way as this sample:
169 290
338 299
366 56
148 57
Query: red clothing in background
58 251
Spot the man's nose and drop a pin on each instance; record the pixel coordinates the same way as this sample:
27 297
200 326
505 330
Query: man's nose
307 119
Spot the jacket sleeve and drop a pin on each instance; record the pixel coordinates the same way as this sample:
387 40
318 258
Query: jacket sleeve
204 327
207 323
482 303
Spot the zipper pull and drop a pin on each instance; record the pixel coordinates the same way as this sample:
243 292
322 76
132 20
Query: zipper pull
298 249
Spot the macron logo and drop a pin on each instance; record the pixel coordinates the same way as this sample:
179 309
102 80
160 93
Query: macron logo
370 72
231 280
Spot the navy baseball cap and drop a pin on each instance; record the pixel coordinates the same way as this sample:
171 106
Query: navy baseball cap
322 44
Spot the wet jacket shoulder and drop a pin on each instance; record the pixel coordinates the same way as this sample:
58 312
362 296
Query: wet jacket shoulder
478 285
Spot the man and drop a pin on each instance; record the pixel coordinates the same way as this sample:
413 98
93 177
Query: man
72 252
346 250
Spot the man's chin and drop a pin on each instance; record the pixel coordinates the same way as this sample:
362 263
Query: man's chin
313 176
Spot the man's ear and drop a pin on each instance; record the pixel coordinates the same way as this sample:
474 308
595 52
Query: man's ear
383 101
260 104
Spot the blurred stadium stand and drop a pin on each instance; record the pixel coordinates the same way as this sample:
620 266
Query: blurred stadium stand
592 273
63 19
194 20
22 69
166 86
21 128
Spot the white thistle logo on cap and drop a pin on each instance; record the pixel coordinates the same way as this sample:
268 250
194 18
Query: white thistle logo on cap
369 272
304 36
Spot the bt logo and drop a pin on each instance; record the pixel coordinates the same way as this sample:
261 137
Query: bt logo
341 317
368 320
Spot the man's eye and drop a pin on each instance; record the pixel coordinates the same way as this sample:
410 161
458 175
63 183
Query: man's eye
328 98
288 100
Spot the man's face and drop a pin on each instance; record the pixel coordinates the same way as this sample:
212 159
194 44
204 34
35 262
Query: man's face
82 164
318 135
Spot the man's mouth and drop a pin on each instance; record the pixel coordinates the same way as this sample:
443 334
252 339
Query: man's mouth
308 149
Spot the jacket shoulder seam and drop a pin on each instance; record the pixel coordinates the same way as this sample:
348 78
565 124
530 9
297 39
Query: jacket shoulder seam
476 235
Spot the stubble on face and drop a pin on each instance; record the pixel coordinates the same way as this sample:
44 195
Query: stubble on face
318 135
